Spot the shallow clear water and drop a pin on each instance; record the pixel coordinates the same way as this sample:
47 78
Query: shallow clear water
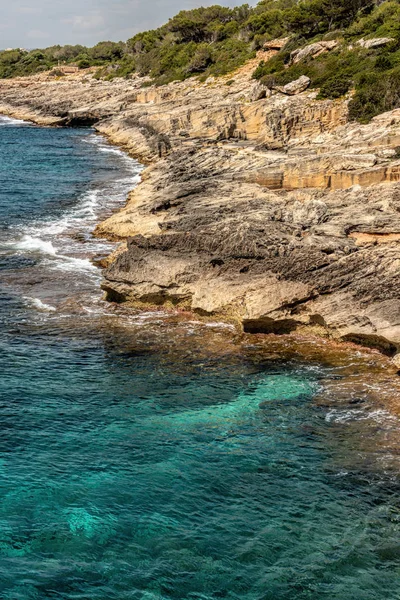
133 465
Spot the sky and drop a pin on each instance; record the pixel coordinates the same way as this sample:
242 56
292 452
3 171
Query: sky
41 23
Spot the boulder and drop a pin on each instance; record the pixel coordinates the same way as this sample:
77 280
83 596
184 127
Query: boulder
396 361
375 42
275 44
295 87
312 50
259 91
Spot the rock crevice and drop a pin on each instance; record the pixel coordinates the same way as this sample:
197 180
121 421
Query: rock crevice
268 209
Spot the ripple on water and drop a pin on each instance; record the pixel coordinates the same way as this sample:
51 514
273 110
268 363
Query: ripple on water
150 456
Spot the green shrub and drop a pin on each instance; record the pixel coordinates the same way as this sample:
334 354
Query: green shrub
375 95
216 40
84 63
275 65
229 55
384 21
202 59
270 23
336 87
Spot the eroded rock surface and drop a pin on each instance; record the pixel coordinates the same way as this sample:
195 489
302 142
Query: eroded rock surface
295 87
375 42
265 208
312 51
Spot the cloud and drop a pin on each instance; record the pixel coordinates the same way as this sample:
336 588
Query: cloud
28 10
87 21
37 34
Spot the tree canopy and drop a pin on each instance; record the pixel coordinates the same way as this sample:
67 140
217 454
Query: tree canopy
215 40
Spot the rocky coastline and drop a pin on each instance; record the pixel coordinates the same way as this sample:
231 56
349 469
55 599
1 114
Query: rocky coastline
270 210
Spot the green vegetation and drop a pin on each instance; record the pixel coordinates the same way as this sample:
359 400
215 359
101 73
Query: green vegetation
16 63
214 41
203 41
373 73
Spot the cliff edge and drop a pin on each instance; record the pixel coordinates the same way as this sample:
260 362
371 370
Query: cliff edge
266 207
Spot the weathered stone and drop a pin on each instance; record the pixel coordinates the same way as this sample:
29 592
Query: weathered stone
396 361
295 87
278 213
258 92
375 42
312 51
277 44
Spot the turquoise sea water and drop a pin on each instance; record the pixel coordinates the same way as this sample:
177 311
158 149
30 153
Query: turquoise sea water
133 466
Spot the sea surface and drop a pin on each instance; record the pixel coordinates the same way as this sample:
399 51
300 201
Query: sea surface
139 458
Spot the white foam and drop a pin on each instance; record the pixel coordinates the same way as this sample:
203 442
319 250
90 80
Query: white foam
37 303
86 212
86 208
58 261
111 150
153 316
357 414
219 325
104 146
60 242
99 311
213 324
70 263
10 121
29 243
93 139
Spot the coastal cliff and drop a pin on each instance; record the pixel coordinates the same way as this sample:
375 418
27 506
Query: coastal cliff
267 208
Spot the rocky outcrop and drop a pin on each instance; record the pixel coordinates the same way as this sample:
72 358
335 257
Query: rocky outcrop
275 261
295 87
312 51
258 92
276 44
375 42
270 210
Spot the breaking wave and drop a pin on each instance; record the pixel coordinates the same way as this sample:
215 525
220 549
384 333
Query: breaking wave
11 122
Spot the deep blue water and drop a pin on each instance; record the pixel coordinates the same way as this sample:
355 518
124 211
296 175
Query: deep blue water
135 466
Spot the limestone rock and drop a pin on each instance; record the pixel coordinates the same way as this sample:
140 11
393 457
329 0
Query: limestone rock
259 91
276 44
312 50
375 42
396 361
278 212
295 87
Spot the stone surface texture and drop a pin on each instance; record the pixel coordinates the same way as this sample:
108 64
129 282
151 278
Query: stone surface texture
295 87
312 51
375 42
268 209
